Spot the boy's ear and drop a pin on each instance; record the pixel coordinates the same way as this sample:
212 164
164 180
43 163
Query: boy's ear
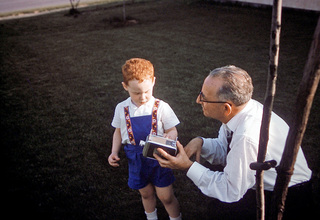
125 86
154 80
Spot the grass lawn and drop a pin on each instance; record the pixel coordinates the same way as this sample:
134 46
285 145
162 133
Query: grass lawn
61 80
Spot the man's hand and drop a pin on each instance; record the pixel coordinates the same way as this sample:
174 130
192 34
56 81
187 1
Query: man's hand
180 162
194 147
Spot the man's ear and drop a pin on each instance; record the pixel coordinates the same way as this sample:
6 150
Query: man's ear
125 86
227 109
154 81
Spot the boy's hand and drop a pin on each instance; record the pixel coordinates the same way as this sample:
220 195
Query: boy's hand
165 135
171 133
113 160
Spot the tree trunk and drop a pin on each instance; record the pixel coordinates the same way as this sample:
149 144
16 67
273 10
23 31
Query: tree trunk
307 90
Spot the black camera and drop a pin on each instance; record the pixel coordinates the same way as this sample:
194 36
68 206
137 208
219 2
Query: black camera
153 142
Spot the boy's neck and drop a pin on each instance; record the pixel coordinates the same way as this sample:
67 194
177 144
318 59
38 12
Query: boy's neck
152 98
135 104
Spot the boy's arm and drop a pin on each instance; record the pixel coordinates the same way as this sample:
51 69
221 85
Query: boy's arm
116 145
171 133
169 120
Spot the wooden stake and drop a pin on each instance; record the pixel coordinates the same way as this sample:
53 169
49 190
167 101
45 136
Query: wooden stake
124 11
307 90
268 104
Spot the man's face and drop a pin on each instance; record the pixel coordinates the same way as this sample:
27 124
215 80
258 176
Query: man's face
209 91
140 92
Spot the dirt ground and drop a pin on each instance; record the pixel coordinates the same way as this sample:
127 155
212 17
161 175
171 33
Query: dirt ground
61 80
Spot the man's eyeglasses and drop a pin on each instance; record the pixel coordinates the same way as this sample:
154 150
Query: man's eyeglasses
202 99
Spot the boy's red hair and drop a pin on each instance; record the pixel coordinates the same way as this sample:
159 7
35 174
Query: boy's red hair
137 68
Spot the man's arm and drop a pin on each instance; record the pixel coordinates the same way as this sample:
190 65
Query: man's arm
227 186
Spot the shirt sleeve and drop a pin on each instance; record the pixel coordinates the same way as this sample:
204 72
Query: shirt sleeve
168 117
214 150
116 121
236 178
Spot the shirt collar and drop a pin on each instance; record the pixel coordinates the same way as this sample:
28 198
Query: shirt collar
234 122
147 105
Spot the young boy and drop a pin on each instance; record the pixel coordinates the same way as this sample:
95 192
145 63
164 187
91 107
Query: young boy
134 119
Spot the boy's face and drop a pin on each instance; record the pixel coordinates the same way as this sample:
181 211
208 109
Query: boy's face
140 92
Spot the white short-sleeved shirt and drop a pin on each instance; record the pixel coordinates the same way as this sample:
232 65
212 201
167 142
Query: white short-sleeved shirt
166 117
231 184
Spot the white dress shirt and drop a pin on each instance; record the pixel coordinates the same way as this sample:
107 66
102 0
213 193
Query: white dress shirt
237 177
166 117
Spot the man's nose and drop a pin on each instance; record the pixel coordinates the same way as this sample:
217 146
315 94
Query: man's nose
198 99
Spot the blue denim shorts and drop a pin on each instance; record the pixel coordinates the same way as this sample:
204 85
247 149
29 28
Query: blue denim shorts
143 171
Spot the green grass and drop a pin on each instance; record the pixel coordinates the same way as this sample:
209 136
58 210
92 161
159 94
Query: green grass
61 80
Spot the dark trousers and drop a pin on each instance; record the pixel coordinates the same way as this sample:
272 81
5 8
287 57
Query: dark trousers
299 205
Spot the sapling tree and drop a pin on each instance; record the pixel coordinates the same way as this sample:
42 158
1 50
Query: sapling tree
74 6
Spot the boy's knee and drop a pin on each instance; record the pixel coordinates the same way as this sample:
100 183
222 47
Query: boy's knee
147 193
166 199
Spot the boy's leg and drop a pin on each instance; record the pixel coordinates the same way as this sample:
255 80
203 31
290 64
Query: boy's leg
148 197
168 199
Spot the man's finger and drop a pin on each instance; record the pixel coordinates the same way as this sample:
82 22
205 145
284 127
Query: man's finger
180 147
161 161
163 153
198 156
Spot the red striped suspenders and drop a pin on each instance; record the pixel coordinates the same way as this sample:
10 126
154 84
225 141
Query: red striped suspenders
154 125
129 127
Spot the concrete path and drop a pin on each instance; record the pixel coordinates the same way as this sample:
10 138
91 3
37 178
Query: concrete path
21 6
